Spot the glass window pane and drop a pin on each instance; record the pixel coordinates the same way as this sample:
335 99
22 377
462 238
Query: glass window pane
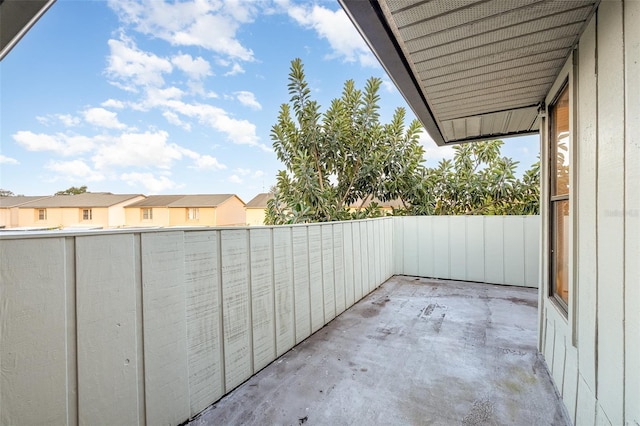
560 147
560 247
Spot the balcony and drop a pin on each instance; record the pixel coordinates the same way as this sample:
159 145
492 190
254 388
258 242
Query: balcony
154 326
414 351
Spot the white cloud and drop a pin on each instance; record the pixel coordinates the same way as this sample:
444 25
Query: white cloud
113 103
258 174
134 67
195 68
153 184
337 29
239 131
242 172
211 25
8 160
235 179
235 69
175 120
67 120
103 118
208 162
137 149
76 170
203 161
248 99
434 153
59 143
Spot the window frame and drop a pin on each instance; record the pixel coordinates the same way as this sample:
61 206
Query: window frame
196 214
43 216
87 214
144 211
568 74
555 200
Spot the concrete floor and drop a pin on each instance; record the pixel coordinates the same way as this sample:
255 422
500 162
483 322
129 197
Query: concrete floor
414 352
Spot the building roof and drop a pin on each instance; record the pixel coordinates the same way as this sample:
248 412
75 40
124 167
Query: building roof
199 200
87 199
16 18
474 69
260 201
396 204
156 201
15 201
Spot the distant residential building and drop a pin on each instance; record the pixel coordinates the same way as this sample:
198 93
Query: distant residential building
187 210
257 207
9 209
91 209
384 206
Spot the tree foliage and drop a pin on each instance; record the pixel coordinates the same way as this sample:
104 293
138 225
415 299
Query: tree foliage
345 157
73 190
338 157
6 193
477 181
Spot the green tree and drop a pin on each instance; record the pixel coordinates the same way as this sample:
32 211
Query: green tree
73 190
335 158
477 181
6 193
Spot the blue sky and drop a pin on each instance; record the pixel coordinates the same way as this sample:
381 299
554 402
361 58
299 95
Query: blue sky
174 98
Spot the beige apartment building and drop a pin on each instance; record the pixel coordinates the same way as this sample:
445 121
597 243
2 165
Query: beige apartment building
257 208
187 210
91 209
9 206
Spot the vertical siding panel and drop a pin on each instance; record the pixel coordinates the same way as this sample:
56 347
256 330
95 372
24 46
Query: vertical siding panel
570 385
514 250
338 267
236 307
585 195
475 248
364 247
586 404
440 229
315 278
532 251
494 250
458 247
283 283
398 244
390 246
301 282
33 313
328 285
610 211
425 246
165 328
348 264
262 298
371 255
204 342
357 261
632 214
106 330
410 252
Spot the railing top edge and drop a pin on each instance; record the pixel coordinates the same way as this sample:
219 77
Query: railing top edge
10 234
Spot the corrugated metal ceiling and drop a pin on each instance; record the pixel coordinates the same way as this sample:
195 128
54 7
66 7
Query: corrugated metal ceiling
472 69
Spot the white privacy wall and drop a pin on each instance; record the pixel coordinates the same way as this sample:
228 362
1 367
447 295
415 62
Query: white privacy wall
151 327
490 249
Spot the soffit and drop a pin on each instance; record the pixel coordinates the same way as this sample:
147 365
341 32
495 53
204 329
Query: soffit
472 69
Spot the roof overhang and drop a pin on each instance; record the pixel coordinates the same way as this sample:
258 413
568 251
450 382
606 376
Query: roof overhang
16 18
472 69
